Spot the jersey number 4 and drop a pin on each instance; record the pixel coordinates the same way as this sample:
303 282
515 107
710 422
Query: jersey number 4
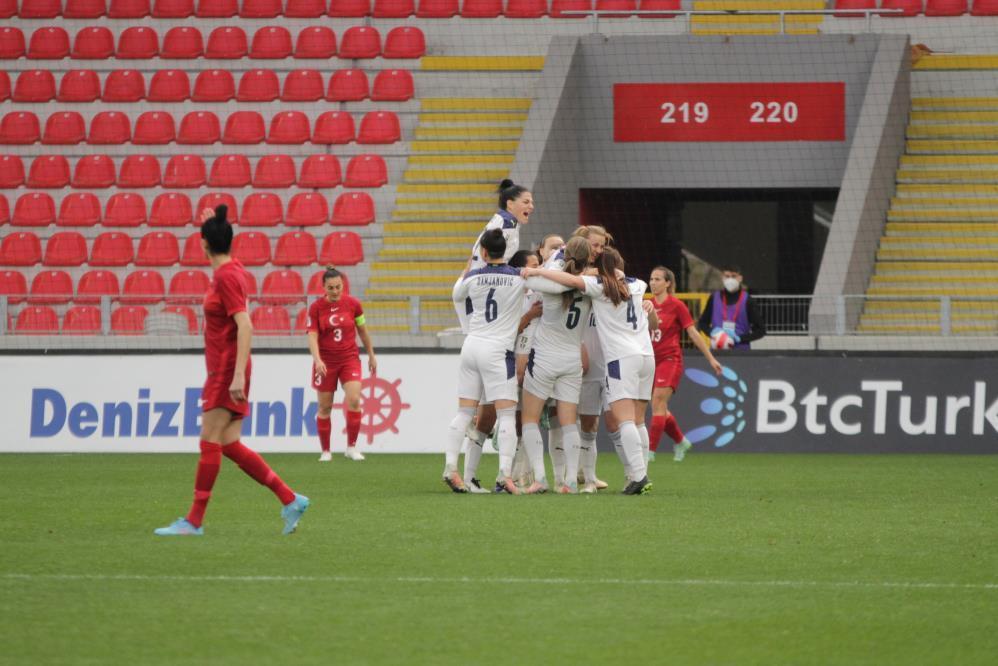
632 316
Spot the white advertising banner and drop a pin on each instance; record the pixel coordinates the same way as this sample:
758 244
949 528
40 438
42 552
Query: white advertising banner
150 403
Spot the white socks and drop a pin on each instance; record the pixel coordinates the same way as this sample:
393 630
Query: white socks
587 455
556 450
645 440
506 421
455 436
473 453
534 446
570 443
630 443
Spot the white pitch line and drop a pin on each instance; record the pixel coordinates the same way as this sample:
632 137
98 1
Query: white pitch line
656 582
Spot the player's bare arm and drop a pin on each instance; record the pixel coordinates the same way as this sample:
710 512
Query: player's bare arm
244 338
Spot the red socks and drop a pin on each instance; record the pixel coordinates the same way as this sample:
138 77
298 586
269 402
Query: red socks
672 429
324 427
204 481
250 462
353 427
655 431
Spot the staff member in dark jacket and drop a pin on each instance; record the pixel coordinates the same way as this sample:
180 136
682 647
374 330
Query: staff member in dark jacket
733 310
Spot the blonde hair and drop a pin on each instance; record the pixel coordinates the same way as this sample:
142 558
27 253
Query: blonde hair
585 231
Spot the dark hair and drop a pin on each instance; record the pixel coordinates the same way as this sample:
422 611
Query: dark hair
330 273
509 192
494 243
217 231
731 268
519 258
607 265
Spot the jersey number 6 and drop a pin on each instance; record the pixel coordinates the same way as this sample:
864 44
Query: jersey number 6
491 306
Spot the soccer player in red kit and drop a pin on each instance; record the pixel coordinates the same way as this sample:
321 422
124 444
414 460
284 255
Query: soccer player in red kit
225 397
673 319
334 322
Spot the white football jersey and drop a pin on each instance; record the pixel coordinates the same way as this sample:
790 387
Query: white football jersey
623 328
590 338
560 329
510 231
496 296
527 334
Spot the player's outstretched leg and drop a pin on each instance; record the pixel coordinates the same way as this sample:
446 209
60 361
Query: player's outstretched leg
452 448
204 480
257 469
681 445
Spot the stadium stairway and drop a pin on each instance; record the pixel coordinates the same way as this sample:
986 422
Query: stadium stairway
756 24
941 236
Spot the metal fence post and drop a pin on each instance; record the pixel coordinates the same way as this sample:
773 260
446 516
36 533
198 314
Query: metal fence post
840 315
945 316
414 323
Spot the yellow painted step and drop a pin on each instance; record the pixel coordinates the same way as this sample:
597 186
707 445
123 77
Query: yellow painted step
475 104
473 117
383 266
409 252
962 103
915 329
442 215
461 159
940 253
447 188
989 132
483 63
756 20
947 188
722 5
958 62
489 147
441 240
440 228
990 292
406 290
946 146
955 116
738 30
958 160
914 203
468 132
420 280
982 174
954 266
928 306
959 214
455 175
447 201
928 317
956 283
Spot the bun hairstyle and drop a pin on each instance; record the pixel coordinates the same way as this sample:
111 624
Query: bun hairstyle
330 273
217 232
494 243
576 261
607 265
508 191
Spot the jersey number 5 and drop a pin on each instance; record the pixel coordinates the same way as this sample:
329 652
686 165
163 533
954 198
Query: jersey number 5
491 306
574 314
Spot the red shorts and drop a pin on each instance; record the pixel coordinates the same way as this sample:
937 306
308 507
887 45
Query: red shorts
668 372
215 393
338 372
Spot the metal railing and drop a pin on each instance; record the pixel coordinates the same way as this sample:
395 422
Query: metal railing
688 14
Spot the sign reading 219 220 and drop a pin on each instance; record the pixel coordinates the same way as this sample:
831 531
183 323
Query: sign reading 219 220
692 112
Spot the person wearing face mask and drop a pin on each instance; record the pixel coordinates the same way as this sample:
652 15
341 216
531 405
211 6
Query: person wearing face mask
732 310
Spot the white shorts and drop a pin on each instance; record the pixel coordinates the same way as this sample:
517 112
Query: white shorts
553 376
488 372
630 377
591 402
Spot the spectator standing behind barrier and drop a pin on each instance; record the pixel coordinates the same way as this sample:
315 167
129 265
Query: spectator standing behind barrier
732 310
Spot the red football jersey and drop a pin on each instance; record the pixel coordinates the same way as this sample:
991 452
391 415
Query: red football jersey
673 318
336 324
226 296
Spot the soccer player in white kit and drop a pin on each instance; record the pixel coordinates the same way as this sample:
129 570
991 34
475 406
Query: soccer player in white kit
488 367
627 350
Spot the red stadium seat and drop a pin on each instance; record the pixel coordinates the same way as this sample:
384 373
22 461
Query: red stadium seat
171 210
262 209
481 8
65 128
93 43
158 248
315 42
301 322
79 9
49 172
909 7
305 8
154 128
143 288
37 320
81 209
213 200
347 85
258 85
4 86
93 172
303 85
124 85
11 172
244 127
405 42
82 320
65 248
199 128
333 127
272 42
226 43
282 288
274 171
125 209
261 8
51 287
659 5
48 44
13 286
138 43
129 320
229 171
288 127
842 5
559 6
366 171
320 171
128 9
112 248
307 210
193 254
945 7
20 249
393 85
437 8
188 286
523 9
187 313
252 248
270 320
109 128
217 8
184 171
4 210
360 42
379 127
33 86
8 8
182 43
394 8
139 171
353 209
36 9
80 85
19 128
349 8
169 85
295 248
984 8
95 284
341 248
214 85
172 8
624 6
11 43
35 209
315 284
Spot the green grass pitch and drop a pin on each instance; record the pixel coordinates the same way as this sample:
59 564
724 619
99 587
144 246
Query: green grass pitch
732 559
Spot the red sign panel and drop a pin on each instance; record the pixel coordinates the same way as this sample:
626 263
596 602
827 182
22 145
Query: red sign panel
729 112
